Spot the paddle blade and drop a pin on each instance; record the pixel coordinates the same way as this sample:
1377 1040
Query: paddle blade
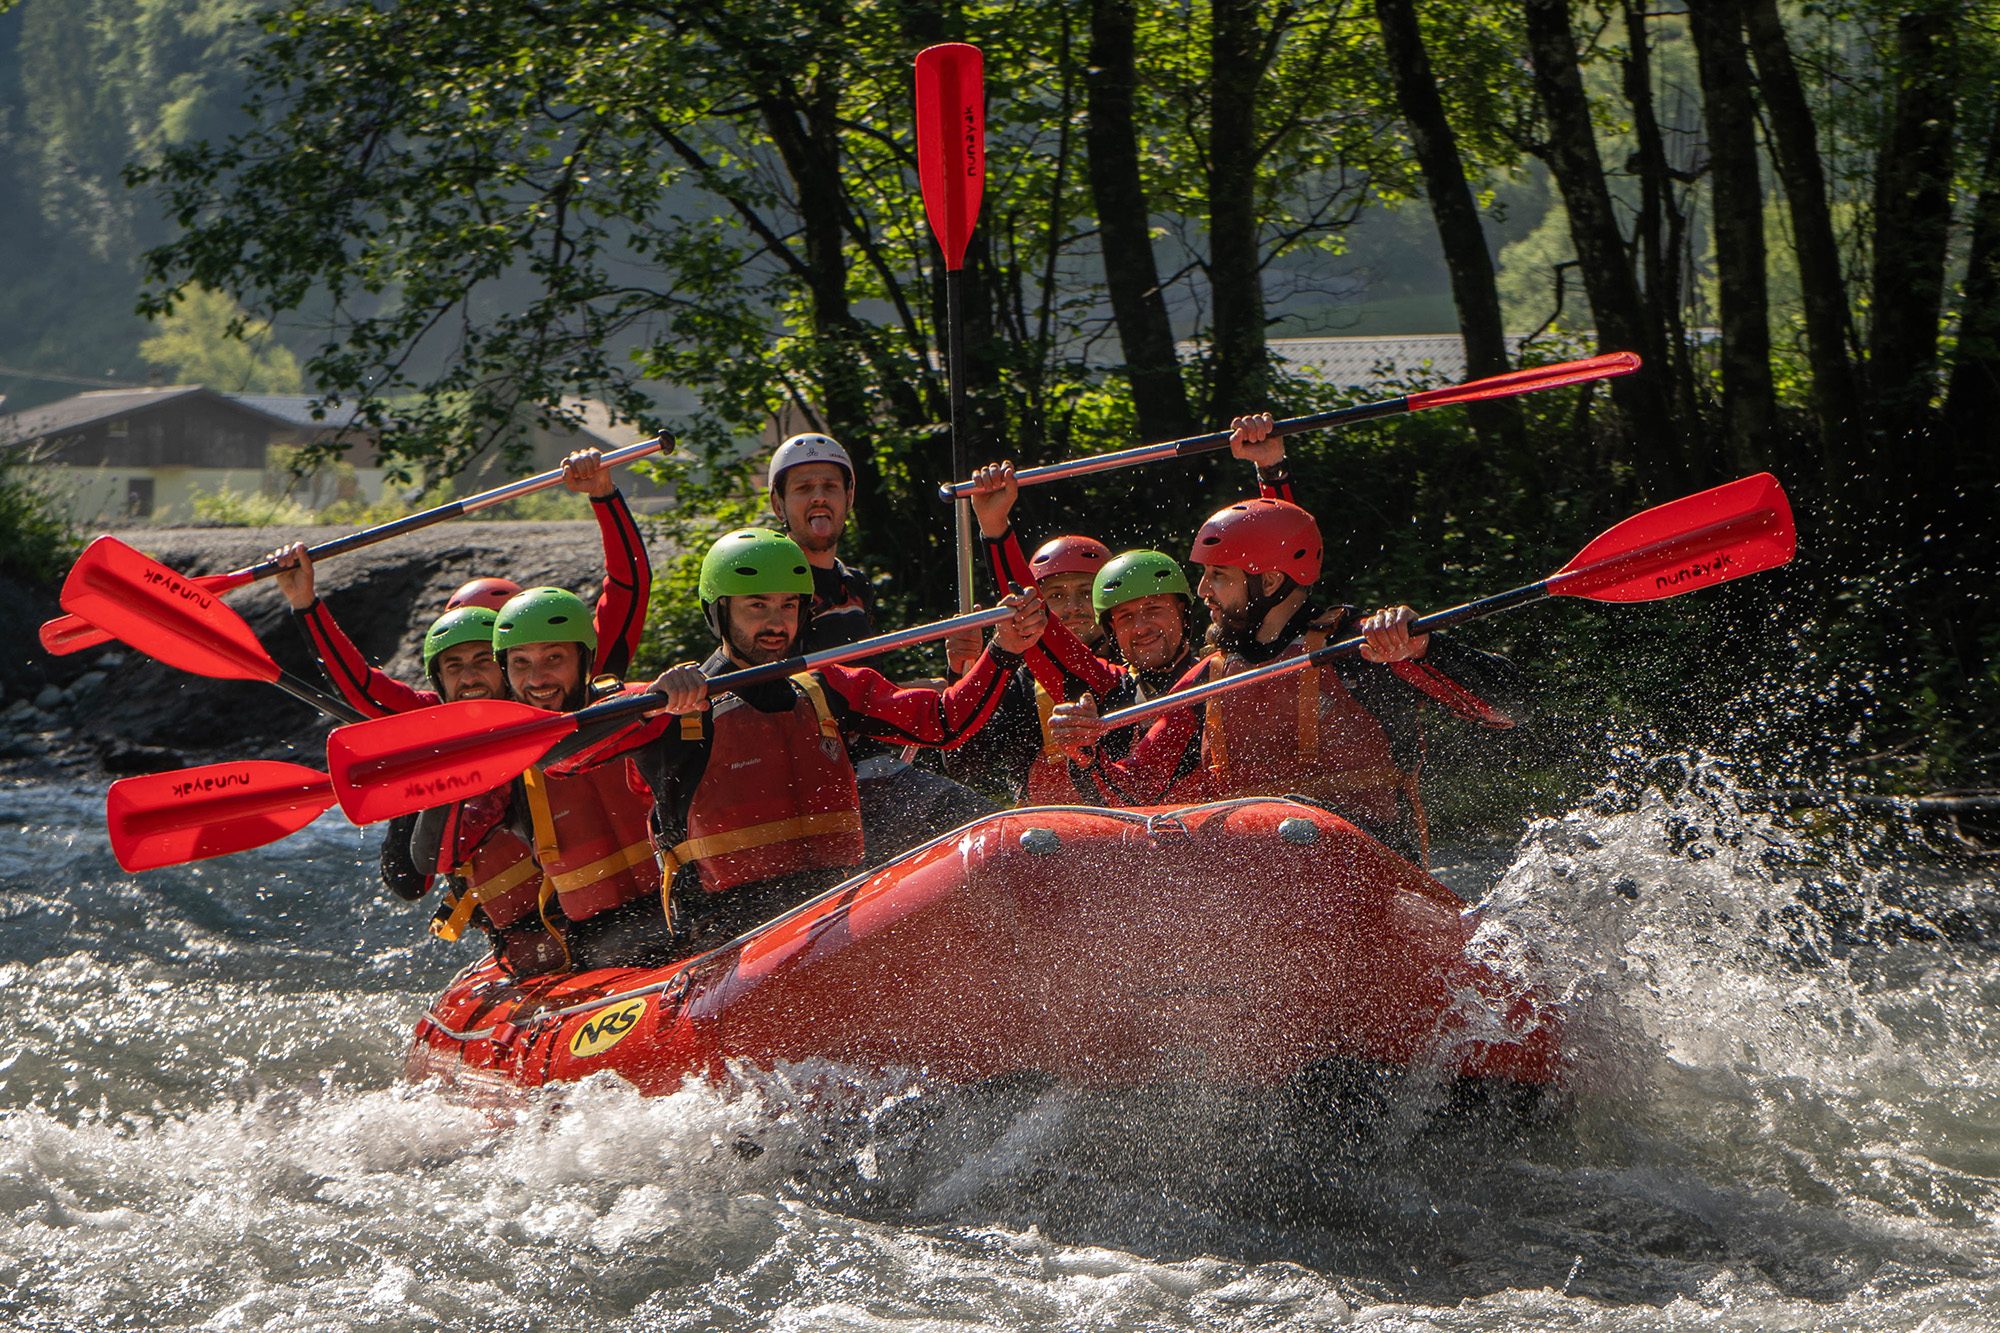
73 634
951 143
190 814
163 614
1608 366
412 761
1694 542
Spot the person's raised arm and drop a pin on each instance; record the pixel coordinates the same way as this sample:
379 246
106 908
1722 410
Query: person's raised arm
369 689
620 617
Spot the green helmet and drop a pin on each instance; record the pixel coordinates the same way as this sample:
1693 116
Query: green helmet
544 615
468 624
753 561
1137 574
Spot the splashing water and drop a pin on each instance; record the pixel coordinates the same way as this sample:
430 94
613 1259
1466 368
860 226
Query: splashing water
1781 1115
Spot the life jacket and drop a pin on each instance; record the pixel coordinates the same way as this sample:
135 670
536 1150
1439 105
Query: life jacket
776 797
495 875
592 838
1303 735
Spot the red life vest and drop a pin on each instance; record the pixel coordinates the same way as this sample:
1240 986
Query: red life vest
1302 735
593 838
499 877
776 797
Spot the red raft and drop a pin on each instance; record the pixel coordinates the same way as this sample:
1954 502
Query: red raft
1235 943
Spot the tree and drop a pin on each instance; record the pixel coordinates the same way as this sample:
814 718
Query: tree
208 339
1736 205
1822 286
1913 185
1570 149
1125 223
1449 191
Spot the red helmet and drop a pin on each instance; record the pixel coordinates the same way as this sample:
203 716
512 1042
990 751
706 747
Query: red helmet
489 593
1069 555
1260 536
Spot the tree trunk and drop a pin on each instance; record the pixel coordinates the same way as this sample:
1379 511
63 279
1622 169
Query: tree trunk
1241 380
1571 154
1972 405
1466 257
1661 225
1912 225
1749 405
1124 225
1795 142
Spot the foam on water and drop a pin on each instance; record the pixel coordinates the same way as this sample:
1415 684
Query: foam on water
1780 1119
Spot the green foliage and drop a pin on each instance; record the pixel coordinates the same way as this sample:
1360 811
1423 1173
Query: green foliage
37 541
227 507
208 339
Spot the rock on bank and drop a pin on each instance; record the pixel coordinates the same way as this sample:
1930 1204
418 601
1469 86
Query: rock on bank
116 711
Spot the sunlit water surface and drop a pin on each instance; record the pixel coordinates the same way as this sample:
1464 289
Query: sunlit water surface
1782 1116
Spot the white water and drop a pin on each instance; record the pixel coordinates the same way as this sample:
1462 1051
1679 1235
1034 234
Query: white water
202 1125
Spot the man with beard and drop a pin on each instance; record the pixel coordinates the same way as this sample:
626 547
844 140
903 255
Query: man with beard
495 883
811 491
589 832
754 796
1140 598
1347 735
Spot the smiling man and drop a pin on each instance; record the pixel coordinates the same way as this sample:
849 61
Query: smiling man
755 796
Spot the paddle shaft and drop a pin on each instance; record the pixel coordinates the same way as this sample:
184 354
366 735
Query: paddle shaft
1498 386
471 504
314 697
960 464
70 633
617 710
1287 666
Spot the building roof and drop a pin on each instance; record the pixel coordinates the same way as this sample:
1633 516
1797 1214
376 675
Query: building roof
85 409
296 409
99 405
1359 361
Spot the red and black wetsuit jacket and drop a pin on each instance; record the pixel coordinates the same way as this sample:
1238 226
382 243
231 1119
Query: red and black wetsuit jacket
843 608
862 702
1005 753
619 620
1169 757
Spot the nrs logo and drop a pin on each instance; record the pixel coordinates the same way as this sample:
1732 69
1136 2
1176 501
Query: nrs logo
606 1028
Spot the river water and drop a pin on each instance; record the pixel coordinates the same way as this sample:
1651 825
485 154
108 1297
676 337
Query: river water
1783 1114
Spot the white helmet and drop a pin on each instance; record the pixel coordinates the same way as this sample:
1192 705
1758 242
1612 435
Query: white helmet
808 448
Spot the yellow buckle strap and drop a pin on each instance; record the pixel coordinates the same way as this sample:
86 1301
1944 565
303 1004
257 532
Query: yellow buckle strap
624 858
1309 701
453 926
1045 707
763 835
809 685
536 786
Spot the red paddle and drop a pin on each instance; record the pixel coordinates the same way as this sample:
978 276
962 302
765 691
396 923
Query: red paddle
951 169
73 633
191 814
1694 542
412 761
171 617
1494 386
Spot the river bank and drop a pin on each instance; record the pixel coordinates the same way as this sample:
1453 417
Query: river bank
111 711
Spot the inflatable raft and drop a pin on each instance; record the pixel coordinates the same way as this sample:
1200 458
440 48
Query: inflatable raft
1236 943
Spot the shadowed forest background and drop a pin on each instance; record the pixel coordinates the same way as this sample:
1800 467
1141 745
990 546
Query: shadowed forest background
450 213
